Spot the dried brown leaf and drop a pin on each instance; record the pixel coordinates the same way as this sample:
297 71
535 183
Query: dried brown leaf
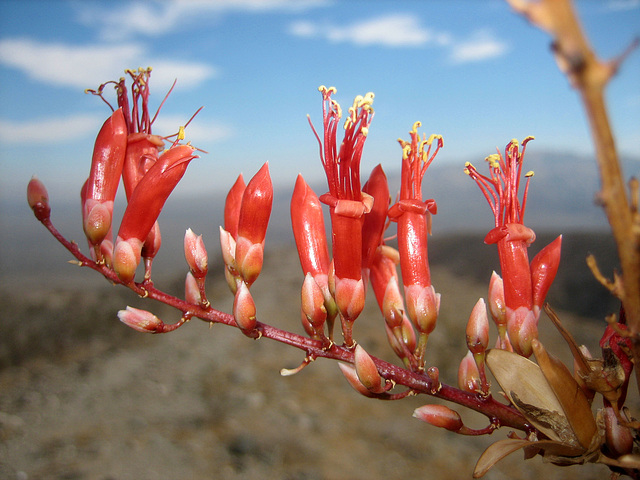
574 403
527 388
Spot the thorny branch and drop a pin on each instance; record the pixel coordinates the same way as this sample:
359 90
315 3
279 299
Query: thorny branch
589 76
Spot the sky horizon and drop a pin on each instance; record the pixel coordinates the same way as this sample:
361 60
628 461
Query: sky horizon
474 72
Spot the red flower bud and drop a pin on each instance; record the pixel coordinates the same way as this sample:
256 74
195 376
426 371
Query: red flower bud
307 221
192 290
232 206
439 416
196 254
255 211
375 221
38 199
478 328
141 320
544 267
468 375
244 308
367 371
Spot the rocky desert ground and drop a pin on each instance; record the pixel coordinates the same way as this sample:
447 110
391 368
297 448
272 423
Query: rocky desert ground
82 397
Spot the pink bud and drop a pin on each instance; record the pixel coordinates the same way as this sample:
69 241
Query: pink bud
141 320
478 328
249 259
496 301
352 377
313 303
423 305
126 257
350 297
468 375
367 371
97 222
191 290
195 254
38 198
439 416
522 329
244 308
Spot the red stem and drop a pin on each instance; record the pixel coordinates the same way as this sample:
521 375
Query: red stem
504 415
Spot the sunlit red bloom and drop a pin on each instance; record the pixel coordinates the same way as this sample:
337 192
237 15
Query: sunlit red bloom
99 191
413 216
145 205
346 200
525 286
307 221
253 219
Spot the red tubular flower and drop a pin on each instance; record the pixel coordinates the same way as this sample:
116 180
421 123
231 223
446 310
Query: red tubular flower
346 200
375 221
525 286
99 191
307 222
145 204
253 220
232 206
413 216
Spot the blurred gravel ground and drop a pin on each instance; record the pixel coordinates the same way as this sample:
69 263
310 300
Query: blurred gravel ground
82 397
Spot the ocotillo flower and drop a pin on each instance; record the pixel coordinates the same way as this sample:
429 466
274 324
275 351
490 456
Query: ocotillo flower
253 220
307 222
346 200
413 216
99 191
145 205
525 286
376 220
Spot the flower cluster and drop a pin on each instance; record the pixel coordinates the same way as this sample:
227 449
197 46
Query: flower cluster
125 148
546 401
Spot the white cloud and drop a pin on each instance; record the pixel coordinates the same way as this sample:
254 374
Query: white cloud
622 5
49 130
87 66
405 30
482 45
158 17
398 30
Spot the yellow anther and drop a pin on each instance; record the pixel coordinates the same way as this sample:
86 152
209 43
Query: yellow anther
528 139
326 90
406 150
466 170
493 160
416 126
365 131
433 137
514 142
181 133
529 174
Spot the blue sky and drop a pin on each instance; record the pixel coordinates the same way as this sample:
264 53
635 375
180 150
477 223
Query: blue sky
472 71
